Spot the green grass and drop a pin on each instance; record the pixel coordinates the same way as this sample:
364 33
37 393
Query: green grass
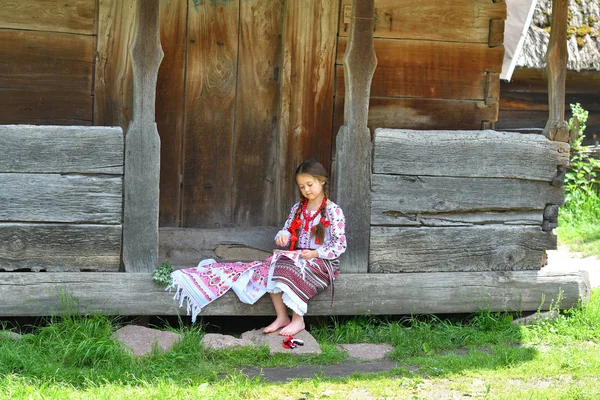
579 223
482 355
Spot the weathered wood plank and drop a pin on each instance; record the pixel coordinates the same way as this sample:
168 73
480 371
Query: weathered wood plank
61 149
113 88
307 88
417 194
467 154
389 218
26 63
556 65
254 194
415 113
212 60
454 21
414 68
355 294
496 38
45 107
170 107
59 247
142 145
352 161
76 16
189 246
474 248
60 198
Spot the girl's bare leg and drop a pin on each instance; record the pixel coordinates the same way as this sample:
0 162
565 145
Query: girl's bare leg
293 327
282 319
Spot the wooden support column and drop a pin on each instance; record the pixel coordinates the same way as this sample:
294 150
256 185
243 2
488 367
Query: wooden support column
142 146
352 161
556 64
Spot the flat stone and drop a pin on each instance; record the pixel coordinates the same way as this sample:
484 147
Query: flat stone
141 340
274 341
310 371
216 341
10 335
367 351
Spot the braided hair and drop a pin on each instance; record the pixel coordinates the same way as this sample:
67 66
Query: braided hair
316 170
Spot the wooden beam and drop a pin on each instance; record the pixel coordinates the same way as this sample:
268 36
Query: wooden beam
418 194
61 198
467 154
35 294
74 16
142 147
59 247
61 149
556 65
457 249
352 161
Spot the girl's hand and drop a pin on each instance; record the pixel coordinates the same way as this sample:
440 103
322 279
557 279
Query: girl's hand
308 254
282 240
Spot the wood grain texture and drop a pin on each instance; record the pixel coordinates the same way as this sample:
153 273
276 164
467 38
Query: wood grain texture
453 21
76 16
170 106
433 219
416 194
467 154
209 113
113 104
26 63
307 88
416 113
355 294
59 247
414 68
142 147
61 149
254 191
186 246
60 198
496 38
45 107
556 66
352 161
474 248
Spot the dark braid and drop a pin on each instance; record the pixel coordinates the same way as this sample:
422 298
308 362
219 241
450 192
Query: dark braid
319 231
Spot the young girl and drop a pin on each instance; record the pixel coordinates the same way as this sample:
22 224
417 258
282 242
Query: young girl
315 233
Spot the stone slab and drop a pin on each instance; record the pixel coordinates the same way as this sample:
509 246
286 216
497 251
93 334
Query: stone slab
141 340
367 351
310 371
216 341
274 342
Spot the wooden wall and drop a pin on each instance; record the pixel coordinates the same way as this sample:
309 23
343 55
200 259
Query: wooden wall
47 68
438 64
524 100
247 89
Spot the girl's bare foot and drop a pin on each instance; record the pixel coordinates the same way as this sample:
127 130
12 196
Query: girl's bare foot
279 322
293 327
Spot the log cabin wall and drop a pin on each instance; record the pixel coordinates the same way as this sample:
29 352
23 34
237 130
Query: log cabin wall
248 89
438 64
47 68
524 100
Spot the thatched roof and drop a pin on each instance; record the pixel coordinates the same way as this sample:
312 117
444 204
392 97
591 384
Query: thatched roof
584 36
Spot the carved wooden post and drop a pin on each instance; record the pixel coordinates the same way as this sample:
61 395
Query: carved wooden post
352 164
556 65
142 146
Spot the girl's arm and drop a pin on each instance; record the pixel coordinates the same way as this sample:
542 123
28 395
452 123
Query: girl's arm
288 222
336 244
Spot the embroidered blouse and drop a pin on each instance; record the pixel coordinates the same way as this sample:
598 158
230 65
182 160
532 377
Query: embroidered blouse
334 243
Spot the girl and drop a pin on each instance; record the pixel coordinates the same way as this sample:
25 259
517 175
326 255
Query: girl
315 233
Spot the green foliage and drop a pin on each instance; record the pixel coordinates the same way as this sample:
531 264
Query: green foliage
162 275
579 219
